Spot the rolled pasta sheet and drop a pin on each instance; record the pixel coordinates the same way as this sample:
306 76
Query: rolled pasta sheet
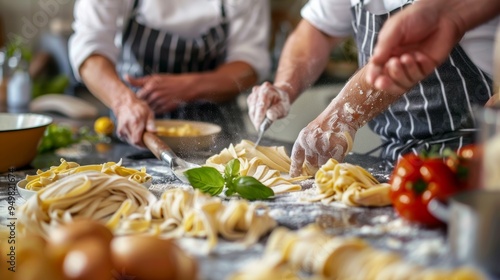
350 184
266 164
93 195
66 168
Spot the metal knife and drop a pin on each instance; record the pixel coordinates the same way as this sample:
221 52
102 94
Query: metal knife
262 129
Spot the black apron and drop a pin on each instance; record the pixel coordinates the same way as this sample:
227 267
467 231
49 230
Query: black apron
148 51
438 111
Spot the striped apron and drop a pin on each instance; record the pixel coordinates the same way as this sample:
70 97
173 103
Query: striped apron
148 51
438 111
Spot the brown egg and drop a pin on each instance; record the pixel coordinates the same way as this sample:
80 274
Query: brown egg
33 260
79 229
88 259
187 267
146 257
34 269
63 238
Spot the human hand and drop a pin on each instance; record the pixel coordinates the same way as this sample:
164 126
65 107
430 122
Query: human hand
133 119
494 101
401 73
269 101
163 92
317 143
426 31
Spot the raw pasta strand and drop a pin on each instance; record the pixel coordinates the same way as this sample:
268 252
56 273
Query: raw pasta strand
350 184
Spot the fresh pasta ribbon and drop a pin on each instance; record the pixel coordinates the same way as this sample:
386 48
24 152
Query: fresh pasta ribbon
265 164
66 168
91 194
192 213
350 184
127 207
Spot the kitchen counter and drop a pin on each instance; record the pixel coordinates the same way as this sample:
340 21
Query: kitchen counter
380 226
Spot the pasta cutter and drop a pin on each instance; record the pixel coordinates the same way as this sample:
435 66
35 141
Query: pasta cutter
262 129
164 153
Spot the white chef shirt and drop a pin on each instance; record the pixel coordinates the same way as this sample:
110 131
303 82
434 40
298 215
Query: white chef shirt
334 18
98 26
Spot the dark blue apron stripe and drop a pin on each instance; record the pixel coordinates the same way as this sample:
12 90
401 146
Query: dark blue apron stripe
195 52
165 54
142 51
149 53
179 53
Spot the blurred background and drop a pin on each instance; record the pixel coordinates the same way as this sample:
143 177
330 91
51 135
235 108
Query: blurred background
35 33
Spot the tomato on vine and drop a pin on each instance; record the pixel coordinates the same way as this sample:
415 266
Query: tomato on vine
417 179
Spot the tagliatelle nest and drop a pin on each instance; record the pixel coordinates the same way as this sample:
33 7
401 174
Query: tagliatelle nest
66 168
266 164
350 184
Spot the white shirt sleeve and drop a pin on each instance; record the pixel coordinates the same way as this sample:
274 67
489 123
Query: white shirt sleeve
96 25
332 17
479 44
248 35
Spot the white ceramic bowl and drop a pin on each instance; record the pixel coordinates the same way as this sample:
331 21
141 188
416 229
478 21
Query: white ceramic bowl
184 144
20 135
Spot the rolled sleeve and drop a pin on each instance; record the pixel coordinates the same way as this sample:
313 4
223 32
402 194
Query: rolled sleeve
95 28
332 17
249 37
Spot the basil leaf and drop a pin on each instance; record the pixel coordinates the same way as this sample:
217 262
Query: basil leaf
250 188
232 169
207 179
229 192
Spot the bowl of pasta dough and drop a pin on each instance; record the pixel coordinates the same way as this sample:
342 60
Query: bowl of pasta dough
30 185
184 136
20 135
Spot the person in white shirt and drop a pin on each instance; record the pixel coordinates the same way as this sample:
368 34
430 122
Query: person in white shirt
184 59
437 111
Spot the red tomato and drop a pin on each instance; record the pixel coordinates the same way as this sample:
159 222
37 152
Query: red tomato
415 181
440 179
413 207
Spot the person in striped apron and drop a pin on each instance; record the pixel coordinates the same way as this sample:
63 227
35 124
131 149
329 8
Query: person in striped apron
182 59
438 111
412 34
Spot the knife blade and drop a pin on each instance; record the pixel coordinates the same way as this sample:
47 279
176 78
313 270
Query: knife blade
262 129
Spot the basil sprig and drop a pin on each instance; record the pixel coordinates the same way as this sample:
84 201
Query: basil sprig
209 180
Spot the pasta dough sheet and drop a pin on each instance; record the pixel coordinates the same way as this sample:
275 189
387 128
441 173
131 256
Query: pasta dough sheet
266 164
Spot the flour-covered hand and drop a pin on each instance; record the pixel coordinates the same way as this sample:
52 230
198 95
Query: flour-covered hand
268 101
317 143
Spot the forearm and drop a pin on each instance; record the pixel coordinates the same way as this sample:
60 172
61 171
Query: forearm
224 83
303 59
99 75
470 13
357 103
